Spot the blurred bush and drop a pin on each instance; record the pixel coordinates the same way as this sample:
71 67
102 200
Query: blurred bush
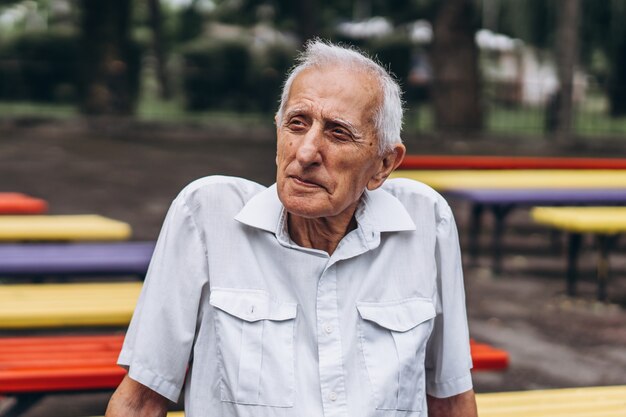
397 53
269 72
46 67
229 74
39 67
214 74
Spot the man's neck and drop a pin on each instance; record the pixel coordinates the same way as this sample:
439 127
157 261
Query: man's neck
323 233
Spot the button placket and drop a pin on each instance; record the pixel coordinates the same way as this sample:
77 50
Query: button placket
329 346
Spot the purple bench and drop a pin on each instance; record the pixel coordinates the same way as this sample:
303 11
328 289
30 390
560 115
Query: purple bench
73 259
501 201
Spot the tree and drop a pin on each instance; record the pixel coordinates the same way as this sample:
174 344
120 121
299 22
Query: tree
307 19
107 68
158 48
616 52
456 92
567 59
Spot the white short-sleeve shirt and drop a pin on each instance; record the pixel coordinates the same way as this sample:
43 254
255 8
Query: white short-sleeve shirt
251 324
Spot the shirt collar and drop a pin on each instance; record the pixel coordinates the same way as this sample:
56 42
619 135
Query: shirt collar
386 212
263 211
379 210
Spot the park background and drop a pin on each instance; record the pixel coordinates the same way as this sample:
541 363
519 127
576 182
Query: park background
112 106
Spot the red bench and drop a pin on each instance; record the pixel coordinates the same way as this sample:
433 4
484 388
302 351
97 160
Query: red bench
453 162
31 367
17 203
488 358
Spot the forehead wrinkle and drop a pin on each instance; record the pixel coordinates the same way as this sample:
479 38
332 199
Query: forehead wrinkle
312 107
337 120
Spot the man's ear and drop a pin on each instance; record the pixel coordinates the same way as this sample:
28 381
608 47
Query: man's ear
390 161
276 125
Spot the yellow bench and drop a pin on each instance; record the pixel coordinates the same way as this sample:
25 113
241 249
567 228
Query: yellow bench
569 402
62 227
597 220
519 178
66 305
604 222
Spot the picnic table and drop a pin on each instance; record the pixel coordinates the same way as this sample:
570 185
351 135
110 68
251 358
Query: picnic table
73 259
27 306
32 367
503 190
18 203
62 228
517 179
604 222
607 401
449 162
500 202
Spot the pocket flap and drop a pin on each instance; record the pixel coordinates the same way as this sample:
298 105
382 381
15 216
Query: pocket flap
399 316
251 305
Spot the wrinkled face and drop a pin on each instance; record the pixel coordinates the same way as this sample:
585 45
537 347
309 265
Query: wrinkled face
327 149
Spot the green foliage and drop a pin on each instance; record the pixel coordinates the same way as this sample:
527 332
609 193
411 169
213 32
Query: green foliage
268 73
215 74
394 52
190 24
227 74
39 67
400 55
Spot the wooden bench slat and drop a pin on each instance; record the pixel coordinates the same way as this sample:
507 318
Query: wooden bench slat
123 258
576 402
582 219
570 402
511 179
507 162
55 363
106 377
60 305
62 227
486 357
18 203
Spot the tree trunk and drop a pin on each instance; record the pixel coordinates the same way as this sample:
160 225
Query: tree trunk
567 57
306 15
105 74
456 92
616 85
158 48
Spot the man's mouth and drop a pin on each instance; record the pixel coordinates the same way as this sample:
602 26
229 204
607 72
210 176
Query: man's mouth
306 182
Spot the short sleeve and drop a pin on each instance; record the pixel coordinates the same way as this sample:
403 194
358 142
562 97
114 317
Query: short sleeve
159 340
448 357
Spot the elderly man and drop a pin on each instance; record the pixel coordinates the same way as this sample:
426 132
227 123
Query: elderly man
330 293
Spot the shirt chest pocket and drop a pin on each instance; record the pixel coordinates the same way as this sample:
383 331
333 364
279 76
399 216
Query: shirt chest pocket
255 337
393 341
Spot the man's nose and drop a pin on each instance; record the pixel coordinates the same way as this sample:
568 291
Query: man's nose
310 147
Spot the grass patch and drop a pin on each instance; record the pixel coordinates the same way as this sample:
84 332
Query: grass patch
19 108
592 121
174 111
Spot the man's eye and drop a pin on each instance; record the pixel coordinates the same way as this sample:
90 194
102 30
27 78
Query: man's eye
341 134
295 123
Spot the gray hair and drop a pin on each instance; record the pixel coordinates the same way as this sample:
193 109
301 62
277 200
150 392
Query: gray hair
388 116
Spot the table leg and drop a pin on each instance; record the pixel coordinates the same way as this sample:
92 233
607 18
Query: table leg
572 262
24 403
499 212
605 244
474 231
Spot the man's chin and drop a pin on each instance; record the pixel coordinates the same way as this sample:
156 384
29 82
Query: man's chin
305 207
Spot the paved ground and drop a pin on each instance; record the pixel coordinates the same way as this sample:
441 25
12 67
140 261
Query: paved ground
132 173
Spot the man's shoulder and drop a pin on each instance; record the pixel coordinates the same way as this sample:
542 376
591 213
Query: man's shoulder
219 190
411 192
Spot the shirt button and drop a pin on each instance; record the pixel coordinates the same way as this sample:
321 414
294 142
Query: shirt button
332 396
328 328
